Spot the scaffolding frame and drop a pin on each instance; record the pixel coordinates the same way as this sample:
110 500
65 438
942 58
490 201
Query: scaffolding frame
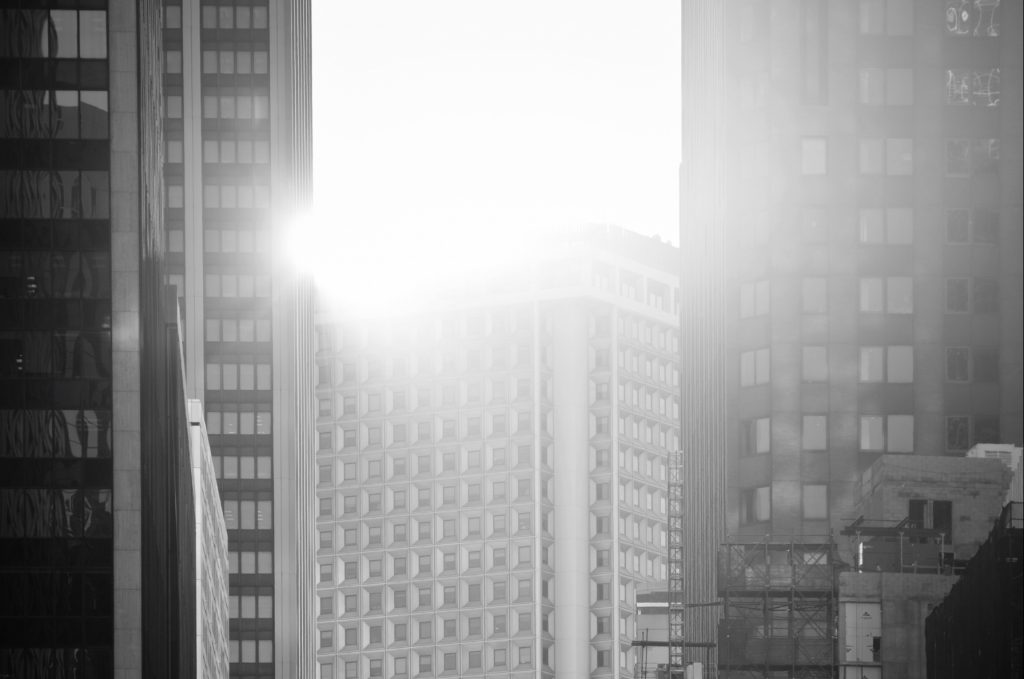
676 604
780 609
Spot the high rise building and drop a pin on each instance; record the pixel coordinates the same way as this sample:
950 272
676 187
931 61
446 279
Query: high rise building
874 166
492 470
872 209
98 541
237 171
104 570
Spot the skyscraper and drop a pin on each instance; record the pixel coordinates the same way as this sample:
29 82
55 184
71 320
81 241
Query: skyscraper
492 469
872 209
874 159
237 171
99 565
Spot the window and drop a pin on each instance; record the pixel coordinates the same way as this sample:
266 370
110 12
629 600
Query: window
754 299
755 367
887 364
815 364
886 17
972 226
958 432
815 295
890 433
966 295
893 156
932 515
886 86
756 505
813 155
888 226
958 364
500 655
524 488
968 87
525 586
425 663
814 434
815 502
756 436
893 295
968 157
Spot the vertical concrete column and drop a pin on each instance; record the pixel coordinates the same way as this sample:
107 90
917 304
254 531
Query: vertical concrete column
125 217
192 99
571 492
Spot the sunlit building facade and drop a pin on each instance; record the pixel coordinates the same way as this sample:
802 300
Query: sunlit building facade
236 103
491 473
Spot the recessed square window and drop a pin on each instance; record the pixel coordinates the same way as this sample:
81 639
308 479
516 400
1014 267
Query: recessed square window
813 155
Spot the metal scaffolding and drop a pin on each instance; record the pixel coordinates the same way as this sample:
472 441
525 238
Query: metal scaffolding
676 603
779 610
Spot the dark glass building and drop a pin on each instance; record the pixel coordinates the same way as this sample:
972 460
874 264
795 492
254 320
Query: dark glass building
99 562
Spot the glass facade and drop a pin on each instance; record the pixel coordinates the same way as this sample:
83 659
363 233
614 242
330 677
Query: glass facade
56 472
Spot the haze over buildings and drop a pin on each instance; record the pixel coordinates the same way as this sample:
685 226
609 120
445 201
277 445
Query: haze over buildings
869 187
492 468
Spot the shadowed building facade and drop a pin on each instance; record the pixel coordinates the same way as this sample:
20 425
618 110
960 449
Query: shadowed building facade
875 273
237 171
872 190
101 570
97 516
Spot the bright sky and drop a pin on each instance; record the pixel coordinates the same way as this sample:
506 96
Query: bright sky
439 114
435 119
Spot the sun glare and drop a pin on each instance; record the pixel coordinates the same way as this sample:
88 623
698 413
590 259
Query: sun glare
384 272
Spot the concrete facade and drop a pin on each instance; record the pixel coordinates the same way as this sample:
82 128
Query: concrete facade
874 243
237 170
492 469
975 487
904 601
883 606
211 536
